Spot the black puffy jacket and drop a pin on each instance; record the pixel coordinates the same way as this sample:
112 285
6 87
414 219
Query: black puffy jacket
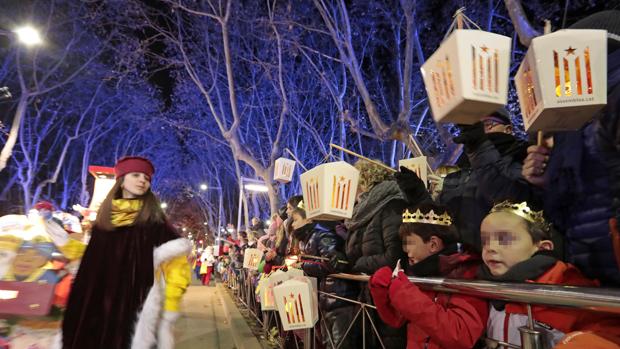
373 240
323 242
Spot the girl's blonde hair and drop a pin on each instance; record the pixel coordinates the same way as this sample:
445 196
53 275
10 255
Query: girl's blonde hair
371 174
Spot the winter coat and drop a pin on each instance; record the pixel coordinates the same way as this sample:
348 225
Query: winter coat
435 320
471 192
373 240
555 323
324 243
129 278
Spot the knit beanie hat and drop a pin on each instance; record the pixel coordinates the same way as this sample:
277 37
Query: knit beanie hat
605 20
129 164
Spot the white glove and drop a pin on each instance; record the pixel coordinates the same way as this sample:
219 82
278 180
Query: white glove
396 270
166 327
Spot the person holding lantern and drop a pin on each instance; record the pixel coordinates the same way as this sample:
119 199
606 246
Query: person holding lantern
578 173
133 273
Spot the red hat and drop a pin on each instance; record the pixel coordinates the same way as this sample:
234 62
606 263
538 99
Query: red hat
44 205
133 164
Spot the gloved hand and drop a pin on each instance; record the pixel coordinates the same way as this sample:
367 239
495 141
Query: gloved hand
411 185
471 135
336 260
381 278
436 185
399 281
165 335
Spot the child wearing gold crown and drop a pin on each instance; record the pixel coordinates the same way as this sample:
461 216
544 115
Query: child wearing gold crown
434 320
516 247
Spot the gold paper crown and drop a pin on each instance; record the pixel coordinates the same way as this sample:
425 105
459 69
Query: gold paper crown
427 218
524 211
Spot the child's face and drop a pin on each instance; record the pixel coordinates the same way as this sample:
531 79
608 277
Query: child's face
416 249
505 242
298 221
27 261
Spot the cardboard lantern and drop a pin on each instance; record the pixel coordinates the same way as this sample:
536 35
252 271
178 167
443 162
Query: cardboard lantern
419 165
284 170
329 191
297 303
467 77
267 300
562 81
252 258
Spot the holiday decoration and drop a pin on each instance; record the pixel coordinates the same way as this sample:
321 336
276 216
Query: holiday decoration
329 191
562 81
284 169
467 77
419 165
252 258
297 303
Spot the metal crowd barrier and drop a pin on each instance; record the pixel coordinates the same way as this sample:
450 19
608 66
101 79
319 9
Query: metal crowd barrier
582 298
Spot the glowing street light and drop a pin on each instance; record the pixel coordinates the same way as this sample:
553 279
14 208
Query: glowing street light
164 205
256 187
184 229
204 186
205 223
28 35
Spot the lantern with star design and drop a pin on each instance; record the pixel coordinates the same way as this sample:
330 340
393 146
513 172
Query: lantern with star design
283 170
297 303
467 77
252 258
329 191
562 80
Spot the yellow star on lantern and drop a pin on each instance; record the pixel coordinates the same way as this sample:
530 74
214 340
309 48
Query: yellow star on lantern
570 50
484 48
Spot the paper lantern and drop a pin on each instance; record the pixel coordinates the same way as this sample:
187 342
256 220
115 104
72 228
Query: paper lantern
419 165
329 191
284 169
467 77
252 258
562 81
297 303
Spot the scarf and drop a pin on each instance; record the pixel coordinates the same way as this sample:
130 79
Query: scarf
430 266
529 269
124 211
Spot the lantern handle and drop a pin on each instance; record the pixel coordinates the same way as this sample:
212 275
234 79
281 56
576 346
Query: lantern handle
296 159
460 20
332 145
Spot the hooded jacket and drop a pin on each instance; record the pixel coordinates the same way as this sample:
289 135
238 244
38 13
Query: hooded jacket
373 240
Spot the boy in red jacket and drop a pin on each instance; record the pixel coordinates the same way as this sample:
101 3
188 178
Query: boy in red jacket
516 245
434 320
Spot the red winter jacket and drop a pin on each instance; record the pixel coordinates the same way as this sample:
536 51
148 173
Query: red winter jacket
434 320
556 322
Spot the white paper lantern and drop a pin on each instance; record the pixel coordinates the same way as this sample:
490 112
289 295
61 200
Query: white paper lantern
297 303
467 77
419 165
284 169
329 191
562 81
267 301
251 258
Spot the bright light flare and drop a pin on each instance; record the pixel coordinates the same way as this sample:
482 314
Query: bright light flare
28 35
204 187
256 187
164 205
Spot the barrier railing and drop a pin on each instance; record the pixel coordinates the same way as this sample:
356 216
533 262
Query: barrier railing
583 298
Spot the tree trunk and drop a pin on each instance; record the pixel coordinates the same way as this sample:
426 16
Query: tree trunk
7 150
522 25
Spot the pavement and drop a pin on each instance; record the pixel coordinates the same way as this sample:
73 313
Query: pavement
211 319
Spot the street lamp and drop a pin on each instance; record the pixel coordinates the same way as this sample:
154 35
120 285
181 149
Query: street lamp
261 188
204 187
164 205
28 35
254 185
